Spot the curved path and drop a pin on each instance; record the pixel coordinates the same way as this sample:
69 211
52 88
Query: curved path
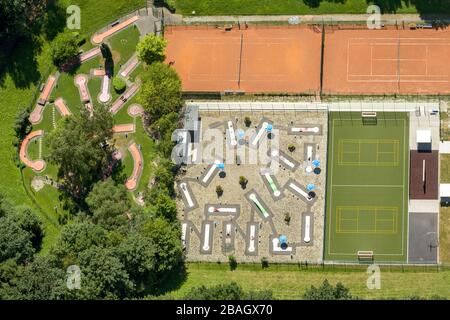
36 165
135 110
132 181
36 115
98 38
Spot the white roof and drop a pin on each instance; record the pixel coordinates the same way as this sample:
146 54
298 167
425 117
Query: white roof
445 190
423 136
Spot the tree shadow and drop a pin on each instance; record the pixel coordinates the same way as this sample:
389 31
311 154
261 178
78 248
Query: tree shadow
173 280
118 173
55 20
19 62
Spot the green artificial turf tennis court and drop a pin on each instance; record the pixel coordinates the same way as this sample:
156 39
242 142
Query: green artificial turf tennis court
367 187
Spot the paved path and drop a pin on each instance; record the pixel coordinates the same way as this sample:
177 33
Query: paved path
356 106
311 18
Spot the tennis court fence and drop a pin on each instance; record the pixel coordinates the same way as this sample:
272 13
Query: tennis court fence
320 267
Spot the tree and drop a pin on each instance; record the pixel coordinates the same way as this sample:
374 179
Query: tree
219 190
243 182
327 292
64 47
229 291
151 49
78 147
291 147
29 221
108 203
137 254
232 262
160 92
287 218
165 207
166 238
75 238
15 242
19 16
38 281
103 275
247 122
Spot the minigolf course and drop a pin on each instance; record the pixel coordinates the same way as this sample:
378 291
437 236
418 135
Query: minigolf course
36 165
87 86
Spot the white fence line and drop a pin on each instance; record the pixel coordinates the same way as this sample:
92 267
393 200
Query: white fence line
317 106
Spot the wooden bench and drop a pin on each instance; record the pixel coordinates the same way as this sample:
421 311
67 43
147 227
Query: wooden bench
365 255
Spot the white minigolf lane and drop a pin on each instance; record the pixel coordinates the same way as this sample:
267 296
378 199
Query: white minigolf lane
183 233
307 130
289 163
187 194
213 209
251 243
260 133
255 200
210 172
232 133
206 244
307 237
300 191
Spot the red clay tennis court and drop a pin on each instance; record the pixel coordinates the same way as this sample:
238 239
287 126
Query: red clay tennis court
387 62
255 59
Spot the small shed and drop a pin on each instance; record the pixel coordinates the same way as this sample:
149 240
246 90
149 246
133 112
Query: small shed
424 140
445 193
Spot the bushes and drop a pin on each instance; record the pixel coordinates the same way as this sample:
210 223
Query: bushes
119 84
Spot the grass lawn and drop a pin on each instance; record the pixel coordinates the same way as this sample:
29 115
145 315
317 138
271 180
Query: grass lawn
444 219
367 192
288 282
95 14
274 7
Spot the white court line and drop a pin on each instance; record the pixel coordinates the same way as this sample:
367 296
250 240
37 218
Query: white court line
397 75
369 185
395 59
407 81
331 193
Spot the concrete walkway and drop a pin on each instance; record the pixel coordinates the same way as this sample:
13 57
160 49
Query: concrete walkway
386 18
356 106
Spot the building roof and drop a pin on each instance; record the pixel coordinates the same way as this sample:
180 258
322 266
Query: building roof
445 190
191 118
423 136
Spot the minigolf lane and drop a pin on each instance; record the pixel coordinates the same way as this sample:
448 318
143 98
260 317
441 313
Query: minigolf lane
100 37
124 128
117 105
132 181
62 107
36 165
36 114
